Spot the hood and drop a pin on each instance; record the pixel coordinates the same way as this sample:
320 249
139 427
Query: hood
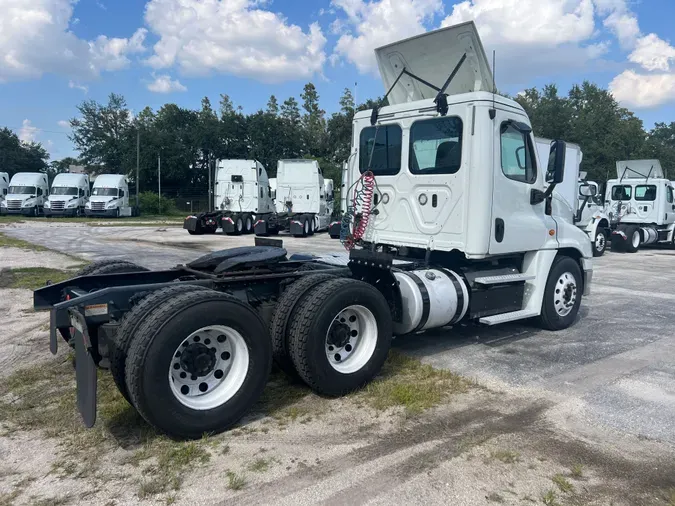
432 57
101 198
639 169
18 196
61 198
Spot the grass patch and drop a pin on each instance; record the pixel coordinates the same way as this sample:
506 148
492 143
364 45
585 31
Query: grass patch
505 456
550 498
43 398
52 501
32 278
10 242
670 497
260 465
235 481
563 483
287 402
577 471
406 382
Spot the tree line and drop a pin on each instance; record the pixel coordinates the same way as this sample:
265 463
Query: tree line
188 140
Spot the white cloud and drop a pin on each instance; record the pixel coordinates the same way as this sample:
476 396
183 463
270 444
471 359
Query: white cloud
76 86
653 53
376 23
232 37
63 123
35 38
643 90
164 84
28 133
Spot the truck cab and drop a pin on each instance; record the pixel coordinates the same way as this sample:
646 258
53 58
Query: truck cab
450 170
4 185
109 197
26 194
640 204
68 196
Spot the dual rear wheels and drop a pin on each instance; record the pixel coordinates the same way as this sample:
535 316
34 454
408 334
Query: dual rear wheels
629 240
242 224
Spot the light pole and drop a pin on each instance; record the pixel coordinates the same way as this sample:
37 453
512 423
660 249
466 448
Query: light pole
159 182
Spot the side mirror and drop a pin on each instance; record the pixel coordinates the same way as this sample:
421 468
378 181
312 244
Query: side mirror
588 190
556 162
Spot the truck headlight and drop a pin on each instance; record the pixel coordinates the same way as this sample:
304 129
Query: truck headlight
111 205
48 204
28 202
87 205
3 203
72 203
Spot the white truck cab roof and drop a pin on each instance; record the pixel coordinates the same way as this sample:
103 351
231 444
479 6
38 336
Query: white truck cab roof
110 181
74 180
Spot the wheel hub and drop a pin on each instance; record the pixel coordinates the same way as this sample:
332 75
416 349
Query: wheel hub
339 335
198 359
565 295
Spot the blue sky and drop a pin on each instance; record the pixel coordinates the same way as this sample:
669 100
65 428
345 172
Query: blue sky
57 53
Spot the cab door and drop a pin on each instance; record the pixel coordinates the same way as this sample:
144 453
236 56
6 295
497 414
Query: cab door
517 224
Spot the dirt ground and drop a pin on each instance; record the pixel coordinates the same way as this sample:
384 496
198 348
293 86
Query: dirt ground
416 436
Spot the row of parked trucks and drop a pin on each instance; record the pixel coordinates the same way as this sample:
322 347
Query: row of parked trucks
29 194
299 200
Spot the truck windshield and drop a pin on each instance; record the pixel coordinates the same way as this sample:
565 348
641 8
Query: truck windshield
384 142
622 192
105 192
64 190
22 190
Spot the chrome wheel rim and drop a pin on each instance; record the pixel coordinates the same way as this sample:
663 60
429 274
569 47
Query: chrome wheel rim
636 239
565 294
209 367
306 226
239 224
600 242
351 339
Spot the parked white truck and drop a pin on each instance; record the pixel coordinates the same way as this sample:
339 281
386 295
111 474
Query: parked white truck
302 203
579 196
242 193
68 196
4 185
640 205
466 229
109 197
26 194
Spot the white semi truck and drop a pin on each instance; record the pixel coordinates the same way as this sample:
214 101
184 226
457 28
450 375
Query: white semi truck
4 185
242 193
303 205
578 196
68 196
466 229
109 197
640 205
27 194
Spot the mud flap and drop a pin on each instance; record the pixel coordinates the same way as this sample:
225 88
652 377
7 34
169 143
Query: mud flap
191 224
297 227
53 340
85 369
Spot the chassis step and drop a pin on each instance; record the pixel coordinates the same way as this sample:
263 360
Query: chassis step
506 278
508 317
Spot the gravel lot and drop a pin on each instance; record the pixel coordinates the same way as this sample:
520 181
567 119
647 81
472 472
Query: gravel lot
582 416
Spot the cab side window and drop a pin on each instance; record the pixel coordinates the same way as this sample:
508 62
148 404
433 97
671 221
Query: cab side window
517 154
669 194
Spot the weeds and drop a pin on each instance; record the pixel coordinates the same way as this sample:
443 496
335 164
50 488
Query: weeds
577 471
563 483
406 382
549 498
505 456
32 278
235 481
494 497
260 465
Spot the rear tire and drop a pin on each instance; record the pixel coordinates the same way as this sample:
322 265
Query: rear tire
633 239
248 224
238 225
318 325
312 221
284 313
109 267
600 243
154 353
562 295
130 323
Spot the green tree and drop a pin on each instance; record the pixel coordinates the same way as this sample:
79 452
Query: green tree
660 144
272 106
101 133
17 156
313 122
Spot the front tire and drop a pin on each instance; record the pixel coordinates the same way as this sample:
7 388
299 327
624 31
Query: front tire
340 336
600 243
562 295
178 384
